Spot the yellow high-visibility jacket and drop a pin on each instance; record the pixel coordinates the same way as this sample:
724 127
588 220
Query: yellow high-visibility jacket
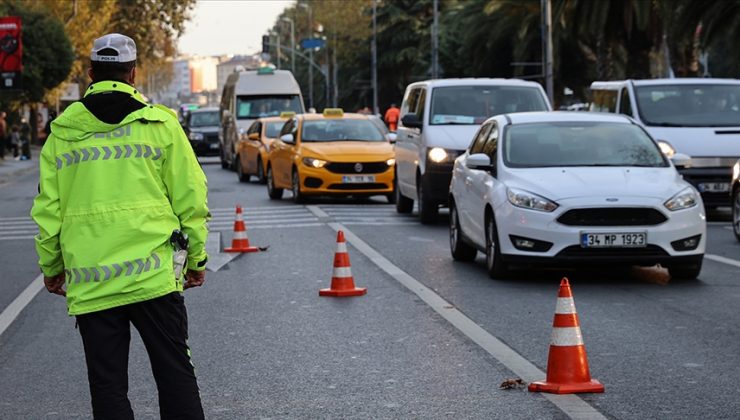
110 196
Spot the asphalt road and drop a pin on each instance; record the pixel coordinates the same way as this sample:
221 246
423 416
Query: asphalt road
432 338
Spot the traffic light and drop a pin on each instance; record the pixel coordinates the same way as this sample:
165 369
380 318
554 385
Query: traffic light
266 44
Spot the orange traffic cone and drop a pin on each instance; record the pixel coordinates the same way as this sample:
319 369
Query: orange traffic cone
240 242
567 364
342 283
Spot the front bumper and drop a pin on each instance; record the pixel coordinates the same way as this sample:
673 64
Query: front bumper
209 146
566 246
699 177
436 181
321 181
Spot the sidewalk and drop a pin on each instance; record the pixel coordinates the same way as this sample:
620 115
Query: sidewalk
10 168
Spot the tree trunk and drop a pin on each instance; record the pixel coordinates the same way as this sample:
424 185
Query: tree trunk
33 121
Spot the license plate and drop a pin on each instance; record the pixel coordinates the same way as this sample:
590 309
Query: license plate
712 187
357 179
614 240
214 146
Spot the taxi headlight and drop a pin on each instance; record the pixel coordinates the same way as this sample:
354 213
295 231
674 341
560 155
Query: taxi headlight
666 148
390 162
528 200
438 154
314 163
684 199
196 136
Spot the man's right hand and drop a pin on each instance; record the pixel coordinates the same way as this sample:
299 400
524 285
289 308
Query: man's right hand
194 278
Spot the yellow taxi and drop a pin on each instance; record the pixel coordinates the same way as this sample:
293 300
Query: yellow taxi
253 147
330 154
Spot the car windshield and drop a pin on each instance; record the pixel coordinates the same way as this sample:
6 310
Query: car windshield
689 105
340 130
474 104
273 129
549 144
251 107
204 119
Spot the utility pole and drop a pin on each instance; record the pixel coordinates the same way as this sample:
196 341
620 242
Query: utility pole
310 56
374 53
547 49
292 43
435 43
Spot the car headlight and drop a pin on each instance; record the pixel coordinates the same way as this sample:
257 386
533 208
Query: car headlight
684 199
438 154
528 200
196 136
736 171
666 148
314 163
390 162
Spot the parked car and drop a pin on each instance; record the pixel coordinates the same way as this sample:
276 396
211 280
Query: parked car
254 149
438 118
252 94
201 127
736 199
334 154
573 188
698 117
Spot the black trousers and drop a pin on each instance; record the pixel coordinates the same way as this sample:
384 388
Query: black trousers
163 326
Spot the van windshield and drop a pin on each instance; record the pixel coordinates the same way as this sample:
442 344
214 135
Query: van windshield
252 107
470 105
698 105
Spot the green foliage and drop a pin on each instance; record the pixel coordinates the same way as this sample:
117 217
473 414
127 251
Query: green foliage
47 52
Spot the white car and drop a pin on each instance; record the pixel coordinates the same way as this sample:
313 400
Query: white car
571 188
736 199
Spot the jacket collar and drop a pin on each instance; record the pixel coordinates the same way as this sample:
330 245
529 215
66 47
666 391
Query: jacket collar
115 86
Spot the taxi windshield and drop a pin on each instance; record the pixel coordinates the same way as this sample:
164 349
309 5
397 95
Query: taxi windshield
470 105
579 143
272 129
340 130
204 119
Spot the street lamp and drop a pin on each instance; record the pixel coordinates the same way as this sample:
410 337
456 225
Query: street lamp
292 43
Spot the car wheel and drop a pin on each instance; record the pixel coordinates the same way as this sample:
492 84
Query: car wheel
240 171
260 172
736 212
684 271
459 249
274 193
496 267
428 210
298 197
404 204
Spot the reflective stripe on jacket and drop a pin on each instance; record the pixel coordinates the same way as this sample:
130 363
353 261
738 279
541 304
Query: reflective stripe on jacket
110 196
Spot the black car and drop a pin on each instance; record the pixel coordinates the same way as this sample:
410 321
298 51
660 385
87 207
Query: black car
201 127
735 188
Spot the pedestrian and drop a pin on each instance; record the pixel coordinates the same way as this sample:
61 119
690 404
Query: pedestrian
120 195
49 119
14 141
25 140
392 116
3 134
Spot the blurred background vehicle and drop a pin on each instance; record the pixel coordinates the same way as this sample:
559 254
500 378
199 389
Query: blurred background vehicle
201 126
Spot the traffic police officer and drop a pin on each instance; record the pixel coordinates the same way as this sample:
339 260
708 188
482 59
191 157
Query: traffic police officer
117 178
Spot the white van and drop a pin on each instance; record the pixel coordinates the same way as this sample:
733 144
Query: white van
438 120
252 94
696 117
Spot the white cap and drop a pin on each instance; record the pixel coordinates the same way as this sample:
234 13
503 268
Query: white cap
123 49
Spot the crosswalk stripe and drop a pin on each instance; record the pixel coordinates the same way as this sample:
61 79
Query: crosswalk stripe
14 238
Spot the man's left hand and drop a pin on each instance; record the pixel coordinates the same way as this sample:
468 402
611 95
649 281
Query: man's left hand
54 284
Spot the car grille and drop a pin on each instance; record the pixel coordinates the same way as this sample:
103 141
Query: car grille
576 251
211 138
349 167
612 216
366 186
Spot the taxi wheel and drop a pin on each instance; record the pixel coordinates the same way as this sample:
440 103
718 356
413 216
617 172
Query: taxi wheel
240 171
496 267
274 193
459 249
428 210
298 197
260 172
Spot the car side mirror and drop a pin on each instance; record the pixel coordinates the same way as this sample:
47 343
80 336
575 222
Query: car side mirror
411 121
391 137
681 160
254 136
287 138
479 161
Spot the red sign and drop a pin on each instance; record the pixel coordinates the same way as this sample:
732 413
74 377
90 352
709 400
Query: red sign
11 52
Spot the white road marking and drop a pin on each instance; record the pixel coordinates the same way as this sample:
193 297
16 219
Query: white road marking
728 227
16 306
14 238
571 405
724 260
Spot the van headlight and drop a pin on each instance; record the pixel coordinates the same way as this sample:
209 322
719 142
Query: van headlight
666 148
314 163
438 154
684 199
736 171
196 136
528 200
